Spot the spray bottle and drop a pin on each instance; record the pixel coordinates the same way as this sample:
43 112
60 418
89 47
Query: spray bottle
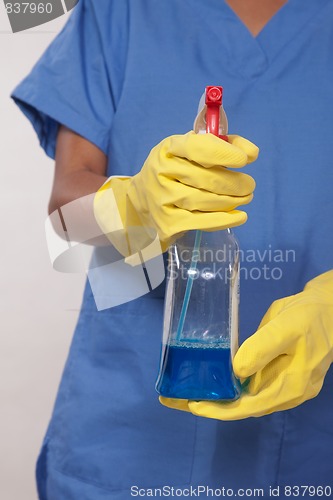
200 331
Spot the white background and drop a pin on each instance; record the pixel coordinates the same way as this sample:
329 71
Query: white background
38 306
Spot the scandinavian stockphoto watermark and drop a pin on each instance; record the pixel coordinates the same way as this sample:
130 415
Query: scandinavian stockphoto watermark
23 15
254 264
122 265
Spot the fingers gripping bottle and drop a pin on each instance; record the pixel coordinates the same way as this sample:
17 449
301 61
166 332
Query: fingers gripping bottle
200 334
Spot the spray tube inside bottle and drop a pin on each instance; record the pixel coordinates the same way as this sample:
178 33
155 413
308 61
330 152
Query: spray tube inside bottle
201 304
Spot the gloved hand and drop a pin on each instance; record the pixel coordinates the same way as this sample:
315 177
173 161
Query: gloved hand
183 185
287 357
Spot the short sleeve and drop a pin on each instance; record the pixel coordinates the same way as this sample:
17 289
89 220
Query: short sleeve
76 82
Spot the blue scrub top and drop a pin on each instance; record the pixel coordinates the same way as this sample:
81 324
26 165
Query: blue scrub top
124 74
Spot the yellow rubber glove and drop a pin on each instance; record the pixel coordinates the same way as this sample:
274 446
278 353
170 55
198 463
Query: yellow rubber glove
288 357
183 185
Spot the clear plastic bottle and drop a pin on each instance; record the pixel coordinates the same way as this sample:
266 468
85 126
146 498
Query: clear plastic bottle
200 334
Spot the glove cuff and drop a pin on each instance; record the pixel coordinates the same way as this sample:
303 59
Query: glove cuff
120 222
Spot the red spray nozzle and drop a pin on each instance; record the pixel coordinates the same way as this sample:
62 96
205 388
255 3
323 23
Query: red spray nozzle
211 116
214 96
213 103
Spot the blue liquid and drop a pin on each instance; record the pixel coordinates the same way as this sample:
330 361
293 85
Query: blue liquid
199 373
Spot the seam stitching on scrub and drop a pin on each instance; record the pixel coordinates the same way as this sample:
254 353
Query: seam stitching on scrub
124 75
84 128
259 48
56 421
297 33
284 415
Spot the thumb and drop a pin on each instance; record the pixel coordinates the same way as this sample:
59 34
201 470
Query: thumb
266 344
175 404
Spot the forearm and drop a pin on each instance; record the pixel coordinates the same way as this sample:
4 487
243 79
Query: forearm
72 200
80 171
73 187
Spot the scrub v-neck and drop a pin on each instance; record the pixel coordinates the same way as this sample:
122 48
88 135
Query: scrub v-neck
251 56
